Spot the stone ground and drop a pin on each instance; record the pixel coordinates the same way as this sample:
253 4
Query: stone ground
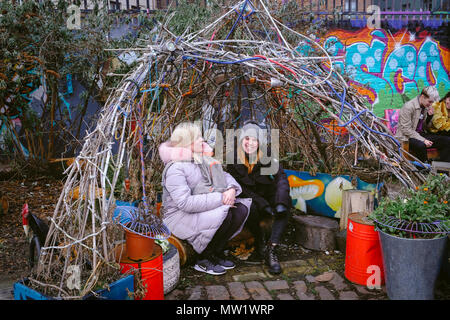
318 276
308 279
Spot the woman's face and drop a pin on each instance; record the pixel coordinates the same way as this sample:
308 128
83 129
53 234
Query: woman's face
447 103
197 145
250 145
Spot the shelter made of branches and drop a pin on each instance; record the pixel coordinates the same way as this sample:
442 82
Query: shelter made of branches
244 63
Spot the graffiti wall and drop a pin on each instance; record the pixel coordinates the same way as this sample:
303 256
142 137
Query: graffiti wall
389 69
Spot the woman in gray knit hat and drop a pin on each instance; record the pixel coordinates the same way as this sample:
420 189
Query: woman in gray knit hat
269 193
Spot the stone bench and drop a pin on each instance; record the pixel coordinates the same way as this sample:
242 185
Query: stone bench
316 232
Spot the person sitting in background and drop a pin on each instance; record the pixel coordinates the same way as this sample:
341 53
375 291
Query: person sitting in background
412 126
440 122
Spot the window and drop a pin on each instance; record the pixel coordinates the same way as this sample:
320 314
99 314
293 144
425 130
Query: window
350 5
427 5
114 5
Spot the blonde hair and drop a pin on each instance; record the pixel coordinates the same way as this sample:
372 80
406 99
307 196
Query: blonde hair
245 161
185 134
431 92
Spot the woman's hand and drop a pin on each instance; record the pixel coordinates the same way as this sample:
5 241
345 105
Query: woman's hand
229 196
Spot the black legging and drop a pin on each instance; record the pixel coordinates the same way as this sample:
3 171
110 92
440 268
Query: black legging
233 221
440 142
280 222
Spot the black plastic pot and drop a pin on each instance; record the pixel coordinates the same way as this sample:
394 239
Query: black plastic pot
411 266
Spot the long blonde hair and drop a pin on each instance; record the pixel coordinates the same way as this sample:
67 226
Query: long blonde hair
244 160
185 134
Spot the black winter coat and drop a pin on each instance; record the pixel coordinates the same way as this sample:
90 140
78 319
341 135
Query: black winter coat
265 190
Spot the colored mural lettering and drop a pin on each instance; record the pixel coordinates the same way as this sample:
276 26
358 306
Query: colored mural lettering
389 69
322 193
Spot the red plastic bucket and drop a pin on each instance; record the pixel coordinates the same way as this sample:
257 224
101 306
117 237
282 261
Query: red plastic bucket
151 271
363 258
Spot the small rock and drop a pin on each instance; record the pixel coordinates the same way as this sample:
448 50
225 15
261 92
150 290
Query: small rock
310 279
325 277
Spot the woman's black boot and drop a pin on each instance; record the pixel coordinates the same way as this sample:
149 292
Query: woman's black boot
271 259
257 256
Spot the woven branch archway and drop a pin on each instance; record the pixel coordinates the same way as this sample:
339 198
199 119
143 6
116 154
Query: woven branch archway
244 62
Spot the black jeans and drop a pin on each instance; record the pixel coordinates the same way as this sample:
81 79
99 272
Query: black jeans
280 222
233 221
440 142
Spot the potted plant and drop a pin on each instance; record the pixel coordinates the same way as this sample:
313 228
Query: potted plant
413 232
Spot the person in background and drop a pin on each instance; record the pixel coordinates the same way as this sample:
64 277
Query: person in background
440 122
206 220
269 193
413 121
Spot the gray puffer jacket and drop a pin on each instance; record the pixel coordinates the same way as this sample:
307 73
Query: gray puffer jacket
194 218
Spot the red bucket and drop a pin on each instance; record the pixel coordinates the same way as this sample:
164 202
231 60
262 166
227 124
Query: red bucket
363 259
151 271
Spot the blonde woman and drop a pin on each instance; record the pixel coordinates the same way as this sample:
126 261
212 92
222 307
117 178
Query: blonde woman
207 220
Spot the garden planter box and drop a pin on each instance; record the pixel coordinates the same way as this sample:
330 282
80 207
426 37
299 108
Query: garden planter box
117 291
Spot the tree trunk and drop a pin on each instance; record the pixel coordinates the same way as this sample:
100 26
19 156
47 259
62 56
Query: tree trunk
355 201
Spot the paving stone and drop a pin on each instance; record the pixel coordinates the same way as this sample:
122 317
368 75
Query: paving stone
195 293
217 293
276 285
300 286
348 295
304 296
362 289
325 277
285 296
311 279
294 263
174 295
252 276
237 291
257 291
324 293
298 270
338 282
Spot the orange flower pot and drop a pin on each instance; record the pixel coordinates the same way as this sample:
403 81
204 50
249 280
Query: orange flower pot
138 247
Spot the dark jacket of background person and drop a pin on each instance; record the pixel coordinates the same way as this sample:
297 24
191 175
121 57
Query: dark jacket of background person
265 190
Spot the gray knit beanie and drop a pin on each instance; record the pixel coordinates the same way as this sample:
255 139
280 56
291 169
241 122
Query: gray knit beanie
251 129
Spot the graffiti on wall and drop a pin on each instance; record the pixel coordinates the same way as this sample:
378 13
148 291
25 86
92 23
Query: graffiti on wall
389 69
322 193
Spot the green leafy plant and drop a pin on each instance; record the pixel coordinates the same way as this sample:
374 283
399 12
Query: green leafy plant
428 204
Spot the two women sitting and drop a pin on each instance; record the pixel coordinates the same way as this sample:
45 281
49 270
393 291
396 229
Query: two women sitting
200 199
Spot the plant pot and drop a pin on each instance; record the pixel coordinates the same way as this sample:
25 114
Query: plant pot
139 248
411 266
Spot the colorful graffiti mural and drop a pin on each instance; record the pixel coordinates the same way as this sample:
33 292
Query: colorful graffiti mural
389 69
322 193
